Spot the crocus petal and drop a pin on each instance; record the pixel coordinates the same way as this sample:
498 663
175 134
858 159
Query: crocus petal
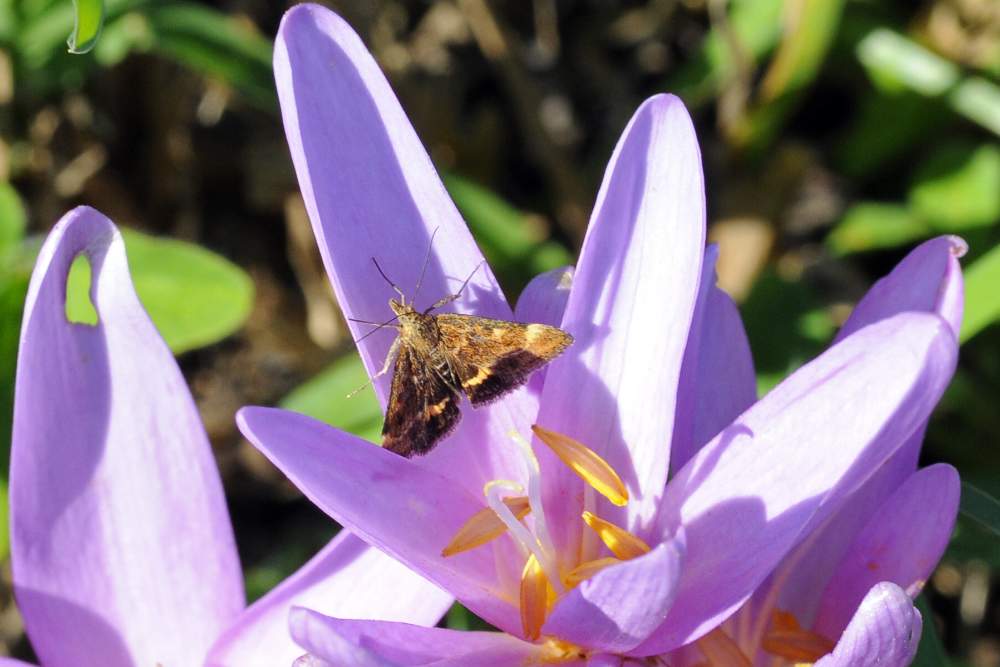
405 645
901 544
346 579
408 511
630 309
884 632
928 279
544 299
122 551
620 606
311 661
749 495
312 634
604 660
11 662
372 192
717 379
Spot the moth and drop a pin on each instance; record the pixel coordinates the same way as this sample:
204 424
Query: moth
440 357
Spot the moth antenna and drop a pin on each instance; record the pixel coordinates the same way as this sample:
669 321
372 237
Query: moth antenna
456 295
427 259
374 324
377 328
386 278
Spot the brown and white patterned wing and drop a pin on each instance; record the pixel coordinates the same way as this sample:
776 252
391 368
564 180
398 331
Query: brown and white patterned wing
494 357
422 409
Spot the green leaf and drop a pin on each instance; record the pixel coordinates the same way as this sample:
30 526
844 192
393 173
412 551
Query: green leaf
755 25
796 63
955 189
12 221
89 19
895 62
324 397
214 44
13 288
930 651
194 297
982 306
978 100
515 243
981 507
874 225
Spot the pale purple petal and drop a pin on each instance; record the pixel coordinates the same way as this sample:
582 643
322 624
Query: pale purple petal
808 568
928 279
372 192
311 661
406 510
406 645
544 299
348 579
884 632
604 660
717 379
749 495
122 551
901 544
620 606
310 631
629 309
11 662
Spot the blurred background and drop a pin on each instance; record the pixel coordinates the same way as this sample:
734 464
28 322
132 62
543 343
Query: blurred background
836 135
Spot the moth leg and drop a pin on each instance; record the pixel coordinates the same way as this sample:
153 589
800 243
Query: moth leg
385 367
452 297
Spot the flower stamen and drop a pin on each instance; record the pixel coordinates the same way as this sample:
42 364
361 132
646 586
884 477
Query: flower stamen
485 526
588 569
534 598
623 544
720 650
586 463
787 639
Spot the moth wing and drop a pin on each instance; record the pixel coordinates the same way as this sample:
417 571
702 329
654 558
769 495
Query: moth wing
494 357
422 408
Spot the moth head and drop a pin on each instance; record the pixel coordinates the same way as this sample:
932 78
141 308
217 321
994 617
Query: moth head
399 306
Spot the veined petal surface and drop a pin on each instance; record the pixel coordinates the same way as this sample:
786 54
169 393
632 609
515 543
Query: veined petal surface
629 310
902 544
621 605
748 496
372 192
544 298
347 579
717 381
406 510
884 632
409 645
928 279
122 550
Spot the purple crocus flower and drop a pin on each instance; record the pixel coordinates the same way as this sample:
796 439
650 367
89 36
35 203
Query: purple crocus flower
122 549
587 554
